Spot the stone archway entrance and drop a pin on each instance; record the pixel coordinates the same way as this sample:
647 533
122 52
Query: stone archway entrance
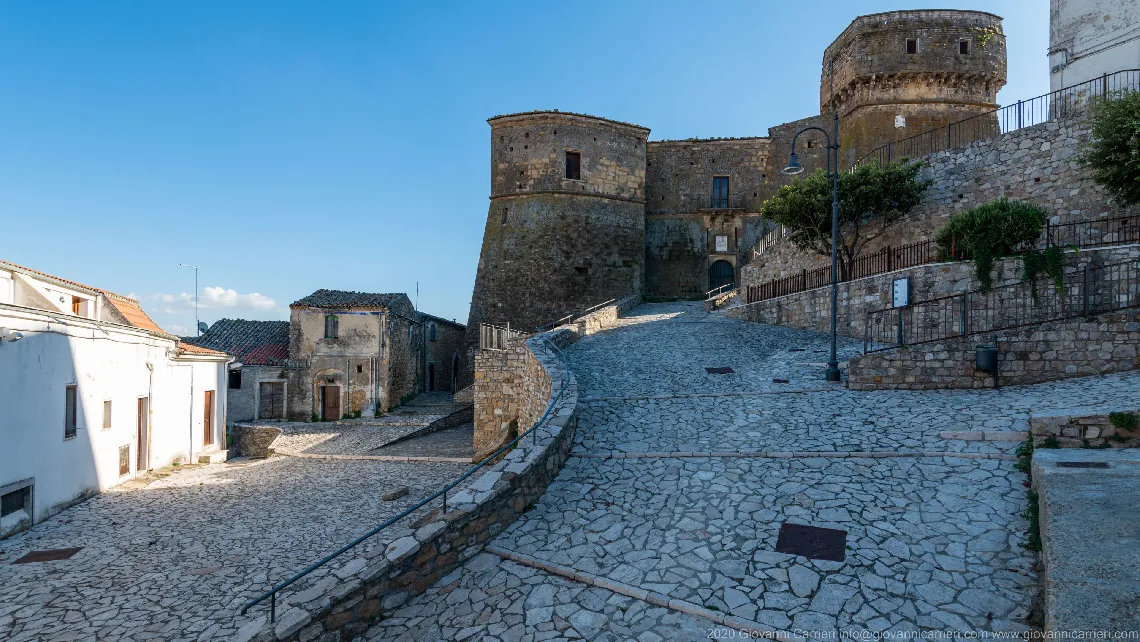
720 274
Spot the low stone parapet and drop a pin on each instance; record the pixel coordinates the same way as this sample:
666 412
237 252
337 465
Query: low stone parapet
1081 429
255 440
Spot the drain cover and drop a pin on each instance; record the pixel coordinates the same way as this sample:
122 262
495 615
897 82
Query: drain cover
780 381
48 556
812 541
1082 464
724 370
796 349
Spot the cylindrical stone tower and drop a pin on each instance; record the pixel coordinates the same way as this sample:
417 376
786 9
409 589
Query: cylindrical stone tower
902 73
566 225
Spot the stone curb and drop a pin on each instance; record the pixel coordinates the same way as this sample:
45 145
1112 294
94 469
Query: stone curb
404 458
989 435
800 454
656 599
695 395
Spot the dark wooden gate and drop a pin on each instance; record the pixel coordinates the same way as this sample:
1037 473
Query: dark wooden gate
272 400
141 422
330 403
720 273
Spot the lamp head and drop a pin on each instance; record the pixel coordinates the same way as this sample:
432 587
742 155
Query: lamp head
794 166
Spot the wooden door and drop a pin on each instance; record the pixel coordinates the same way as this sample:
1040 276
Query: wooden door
208 419
330 403
272 400
431 377
141 424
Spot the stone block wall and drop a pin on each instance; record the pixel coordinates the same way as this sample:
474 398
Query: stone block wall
365 588
1036 164
1077 430
811 309
1056 350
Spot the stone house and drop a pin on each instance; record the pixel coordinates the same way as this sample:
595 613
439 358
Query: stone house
257 381
446 364
93 393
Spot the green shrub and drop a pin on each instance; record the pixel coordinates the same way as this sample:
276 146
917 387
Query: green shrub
1113 155
1123 420
991 231
1051 261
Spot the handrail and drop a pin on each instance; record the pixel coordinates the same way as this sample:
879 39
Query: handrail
715 291
1024 113
271 594
570 317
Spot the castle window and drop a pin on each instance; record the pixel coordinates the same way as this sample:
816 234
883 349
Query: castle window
912 45
574 166
963 47
720 192
331 326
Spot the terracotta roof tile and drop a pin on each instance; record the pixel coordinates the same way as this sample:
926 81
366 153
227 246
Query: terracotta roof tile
251 342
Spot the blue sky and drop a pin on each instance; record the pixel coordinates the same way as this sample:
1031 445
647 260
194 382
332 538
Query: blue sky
289 146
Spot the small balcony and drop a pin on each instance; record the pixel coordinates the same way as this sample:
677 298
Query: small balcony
724 202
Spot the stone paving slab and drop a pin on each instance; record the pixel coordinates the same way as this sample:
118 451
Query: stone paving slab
176 556
340 438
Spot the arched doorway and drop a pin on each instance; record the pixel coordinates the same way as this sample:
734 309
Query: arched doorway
720 273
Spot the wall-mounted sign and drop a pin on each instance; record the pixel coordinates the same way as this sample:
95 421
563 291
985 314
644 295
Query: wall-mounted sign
721 243
901 293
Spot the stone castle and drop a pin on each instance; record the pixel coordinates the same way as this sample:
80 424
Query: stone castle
586 209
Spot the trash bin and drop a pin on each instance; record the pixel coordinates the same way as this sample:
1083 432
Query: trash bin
986 357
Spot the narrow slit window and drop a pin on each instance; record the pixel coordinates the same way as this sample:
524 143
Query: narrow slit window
106 414
70 413
963 47
574 166
912 45
331 326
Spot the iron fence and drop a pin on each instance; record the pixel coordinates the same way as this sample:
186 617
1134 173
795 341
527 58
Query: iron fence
1084 291
1057 105
774 236
496 337
1122 230
271 594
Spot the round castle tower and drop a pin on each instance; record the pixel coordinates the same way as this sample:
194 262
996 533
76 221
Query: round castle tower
566 225
901 73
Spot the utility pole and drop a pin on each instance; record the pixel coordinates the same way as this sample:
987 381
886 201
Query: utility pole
197 328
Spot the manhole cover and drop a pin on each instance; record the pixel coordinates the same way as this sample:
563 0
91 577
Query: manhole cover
724 370
812 541
1082 464
48 556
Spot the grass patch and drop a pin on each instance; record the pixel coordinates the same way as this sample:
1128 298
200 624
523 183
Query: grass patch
1032 514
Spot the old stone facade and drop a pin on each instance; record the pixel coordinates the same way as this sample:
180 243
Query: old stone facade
258 379
446 355
585 209
1081 429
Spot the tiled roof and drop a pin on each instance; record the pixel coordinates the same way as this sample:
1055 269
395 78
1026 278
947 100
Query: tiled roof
130 308
443 320
253 343
193 349
343 299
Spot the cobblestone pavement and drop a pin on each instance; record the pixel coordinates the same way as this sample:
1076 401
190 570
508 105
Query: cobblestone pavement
174 556
933 542
457 441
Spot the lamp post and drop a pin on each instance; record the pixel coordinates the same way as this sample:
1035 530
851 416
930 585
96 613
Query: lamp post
794 167
197 328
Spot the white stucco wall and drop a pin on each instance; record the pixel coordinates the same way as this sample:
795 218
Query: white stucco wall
105 362
1090 38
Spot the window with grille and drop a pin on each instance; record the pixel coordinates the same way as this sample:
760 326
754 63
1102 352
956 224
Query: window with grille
574 166
331 328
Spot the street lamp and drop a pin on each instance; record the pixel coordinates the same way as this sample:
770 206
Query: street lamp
197 328
794 167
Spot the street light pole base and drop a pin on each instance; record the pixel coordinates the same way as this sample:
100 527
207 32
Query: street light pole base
832 371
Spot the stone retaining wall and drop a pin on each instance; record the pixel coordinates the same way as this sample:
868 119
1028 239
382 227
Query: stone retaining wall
811 310
344 604
1056 350
255 441
1036 164
1076 430
510 385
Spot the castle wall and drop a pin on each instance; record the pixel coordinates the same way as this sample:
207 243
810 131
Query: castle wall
1036 164
883 93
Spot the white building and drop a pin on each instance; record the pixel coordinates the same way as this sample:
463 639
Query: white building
1091 38
92 392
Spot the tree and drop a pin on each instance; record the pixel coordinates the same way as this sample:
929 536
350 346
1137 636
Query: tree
870 198
1113 155
994 230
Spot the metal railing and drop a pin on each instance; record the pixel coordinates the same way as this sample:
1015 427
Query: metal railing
496 337
1122 230
1057 105
774 236
725 202
271 594
1085 291
715 292
569 318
